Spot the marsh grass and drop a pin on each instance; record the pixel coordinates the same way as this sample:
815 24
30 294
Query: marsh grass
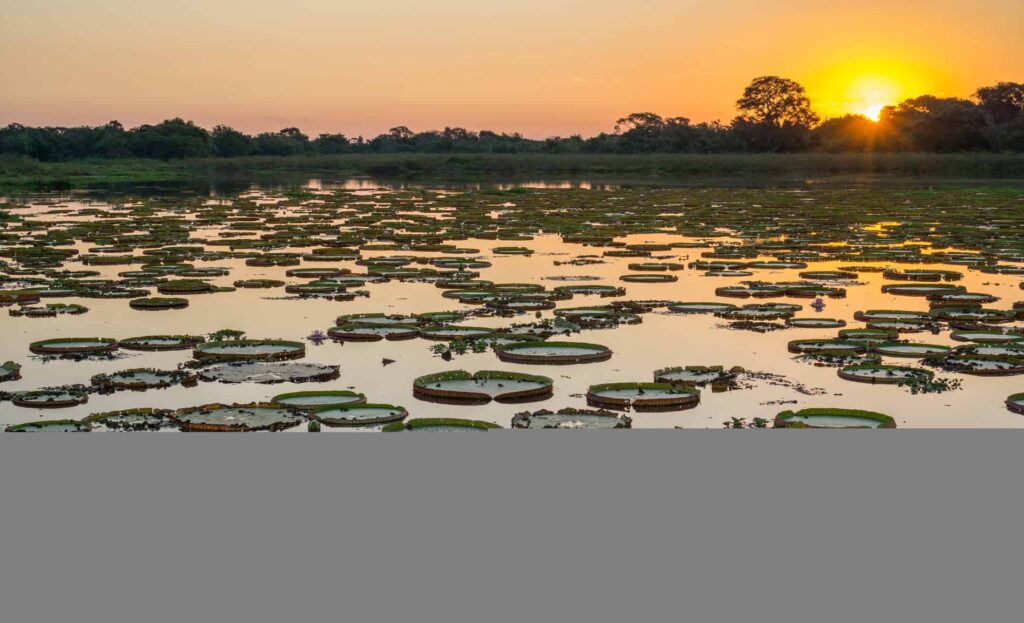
19 173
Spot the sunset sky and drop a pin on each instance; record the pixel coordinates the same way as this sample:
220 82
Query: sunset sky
542 67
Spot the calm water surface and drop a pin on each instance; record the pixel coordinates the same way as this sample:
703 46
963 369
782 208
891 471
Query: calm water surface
661 340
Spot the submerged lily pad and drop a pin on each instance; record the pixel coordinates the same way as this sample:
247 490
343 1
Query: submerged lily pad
571 419
250 350
269 373
142 379
145 419
237 418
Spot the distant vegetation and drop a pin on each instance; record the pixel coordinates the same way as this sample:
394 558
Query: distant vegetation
775 115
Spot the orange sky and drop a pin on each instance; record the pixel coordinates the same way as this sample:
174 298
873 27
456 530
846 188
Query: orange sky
542 67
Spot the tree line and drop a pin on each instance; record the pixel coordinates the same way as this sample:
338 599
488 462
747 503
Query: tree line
774 115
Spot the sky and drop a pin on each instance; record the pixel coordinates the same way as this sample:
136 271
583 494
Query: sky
539 67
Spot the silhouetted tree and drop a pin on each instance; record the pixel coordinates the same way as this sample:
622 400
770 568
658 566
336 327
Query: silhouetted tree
230 143
171 139
930 123
287 142
847 133
775 115
329 144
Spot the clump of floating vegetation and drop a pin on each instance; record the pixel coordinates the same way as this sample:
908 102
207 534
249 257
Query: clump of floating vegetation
10 371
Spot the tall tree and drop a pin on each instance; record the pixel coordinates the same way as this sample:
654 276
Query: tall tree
775 115
776 102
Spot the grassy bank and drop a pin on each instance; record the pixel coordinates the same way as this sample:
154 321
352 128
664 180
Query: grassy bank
26 174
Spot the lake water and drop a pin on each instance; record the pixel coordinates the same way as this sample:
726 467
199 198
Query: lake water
543 215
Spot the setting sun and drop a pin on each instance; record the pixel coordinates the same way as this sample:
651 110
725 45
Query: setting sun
873 111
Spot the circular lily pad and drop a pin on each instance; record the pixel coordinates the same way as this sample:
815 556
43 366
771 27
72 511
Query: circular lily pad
461 387
986 337
51 310
237 418
649 278
455 332
700 308
142 379
145 419
161 342
909 349
250 350
359 414
884 375
270 373
189 286
831 347
51 426
979 365
905 289
319 399
258 283
372 332
833 418
694 376
74 346
816 323
440 425
643 396
1015 403
158 303
571 419
53 398
553 353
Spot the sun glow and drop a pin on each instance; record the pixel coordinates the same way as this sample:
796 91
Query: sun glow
873 111
866 85
868 95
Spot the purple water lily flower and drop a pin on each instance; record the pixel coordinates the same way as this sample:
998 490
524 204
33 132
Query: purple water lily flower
318 337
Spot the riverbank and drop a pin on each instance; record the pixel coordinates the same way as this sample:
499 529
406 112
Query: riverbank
18 173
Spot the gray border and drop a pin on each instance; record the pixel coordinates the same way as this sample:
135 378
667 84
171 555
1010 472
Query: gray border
622 526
